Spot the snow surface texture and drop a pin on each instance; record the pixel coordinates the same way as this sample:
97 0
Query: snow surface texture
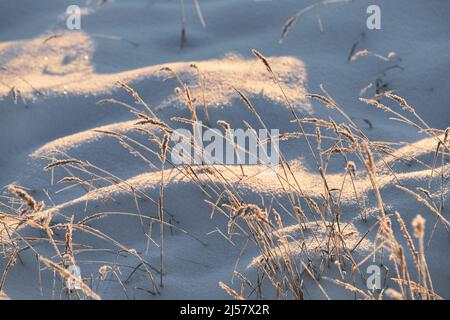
60 75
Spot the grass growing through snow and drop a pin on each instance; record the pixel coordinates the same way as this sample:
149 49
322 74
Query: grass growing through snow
285 265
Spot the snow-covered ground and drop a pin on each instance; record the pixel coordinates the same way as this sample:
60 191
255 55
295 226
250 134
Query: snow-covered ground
58 76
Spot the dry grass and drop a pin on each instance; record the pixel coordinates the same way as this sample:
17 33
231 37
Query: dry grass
288 263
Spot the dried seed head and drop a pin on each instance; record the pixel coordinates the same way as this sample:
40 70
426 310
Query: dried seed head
164 145
71 179
402 102
332 150
224 124
24 196
57 163
288 24
182 120
426 192
319 122
375 103
418 225
230 291
278 219
246 100
327 102
190 102
370 162
251 212
153 121
263 59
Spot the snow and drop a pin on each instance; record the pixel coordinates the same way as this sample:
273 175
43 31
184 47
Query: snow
63 74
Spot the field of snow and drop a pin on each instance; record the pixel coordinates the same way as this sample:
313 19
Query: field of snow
59 99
